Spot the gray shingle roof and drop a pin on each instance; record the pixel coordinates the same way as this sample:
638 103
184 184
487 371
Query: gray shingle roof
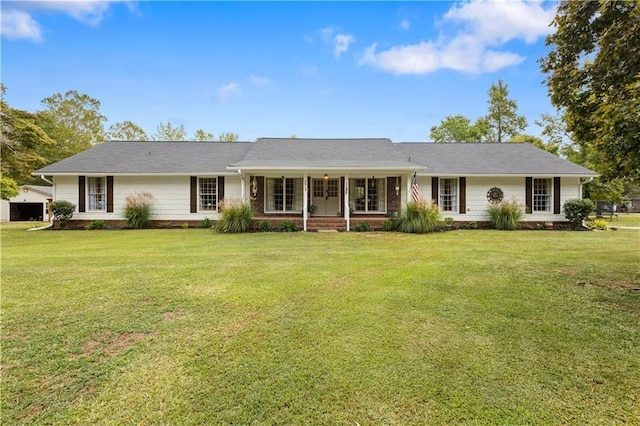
460 159
276 153
152 158
189 158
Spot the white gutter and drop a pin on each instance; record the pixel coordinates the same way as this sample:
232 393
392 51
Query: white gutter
45 179
43 227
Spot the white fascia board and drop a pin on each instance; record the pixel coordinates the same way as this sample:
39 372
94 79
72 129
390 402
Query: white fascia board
504 174
209 173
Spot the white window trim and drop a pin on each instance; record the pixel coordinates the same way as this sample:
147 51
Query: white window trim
550 196
199 195
88 194
456 208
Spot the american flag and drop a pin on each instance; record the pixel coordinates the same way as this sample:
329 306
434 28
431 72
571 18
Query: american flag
415 191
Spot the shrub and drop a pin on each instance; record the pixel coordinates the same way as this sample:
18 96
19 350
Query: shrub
265 226
419 217
473 225
185 225
62 211
576 210
448 222
137 210
96 224
389 225
205 223
288 226
599 224
506 215
363 227
235 217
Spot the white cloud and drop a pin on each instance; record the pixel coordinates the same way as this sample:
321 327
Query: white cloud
341 44
339 41
19 22
228 90
480 27
16 24
260 81
405 24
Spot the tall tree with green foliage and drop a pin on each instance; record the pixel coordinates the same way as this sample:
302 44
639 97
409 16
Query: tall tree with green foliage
458 128
8 188
594 75
169 132
74 121
503 121
21 141
126 131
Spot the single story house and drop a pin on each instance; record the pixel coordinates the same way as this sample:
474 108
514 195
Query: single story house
31 203
317 183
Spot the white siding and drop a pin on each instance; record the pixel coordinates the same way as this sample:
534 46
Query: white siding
512 187
171 196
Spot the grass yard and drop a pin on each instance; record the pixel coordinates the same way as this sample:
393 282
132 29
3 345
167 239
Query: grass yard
193 327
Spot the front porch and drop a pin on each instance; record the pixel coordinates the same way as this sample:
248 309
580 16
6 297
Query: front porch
323 223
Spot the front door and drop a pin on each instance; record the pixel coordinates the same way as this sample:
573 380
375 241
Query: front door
325 197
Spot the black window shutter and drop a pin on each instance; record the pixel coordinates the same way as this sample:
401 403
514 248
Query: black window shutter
109 194
556 195
528 196
82 194
434 190
220 189
463 195
194 194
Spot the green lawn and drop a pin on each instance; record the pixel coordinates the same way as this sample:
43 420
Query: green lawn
193 327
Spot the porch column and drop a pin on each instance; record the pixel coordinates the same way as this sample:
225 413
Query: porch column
242 185
409 194
305 202
347 213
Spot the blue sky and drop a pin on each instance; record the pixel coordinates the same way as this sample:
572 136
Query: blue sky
313 69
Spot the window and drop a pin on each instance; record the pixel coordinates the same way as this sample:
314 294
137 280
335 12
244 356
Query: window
207 194
541 195
367 195
448 201
97 193
283 195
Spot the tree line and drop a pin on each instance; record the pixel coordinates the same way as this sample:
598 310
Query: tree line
68 124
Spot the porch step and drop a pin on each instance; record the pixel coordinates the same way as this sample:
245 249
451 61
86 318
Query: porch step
325 224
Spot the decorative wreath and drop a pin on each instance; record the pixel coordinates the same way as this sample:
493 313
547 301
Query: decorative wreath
495 195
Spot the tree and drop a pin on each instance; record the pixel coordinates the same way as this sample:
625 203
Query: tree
8 188
503 120
593 72
126 131
203 136
169 132
602 191
458 128
21 139
554 130
229 137
535 141
74 121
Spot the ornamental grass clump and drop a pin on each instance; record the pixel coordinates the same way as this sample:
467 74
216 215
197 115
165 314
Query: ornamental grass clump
137 210
506 215
419 217
236 216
